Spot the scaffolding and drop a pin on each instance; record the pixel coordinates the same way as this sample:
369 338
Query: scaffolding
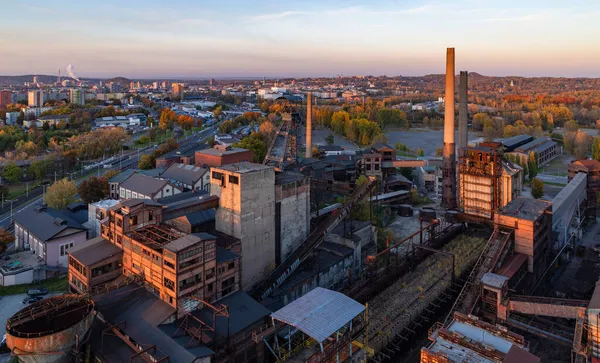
480 178
155 236
201 332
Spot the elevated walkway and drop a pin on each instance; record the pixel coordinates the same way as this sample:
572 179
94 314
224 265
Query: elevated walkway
558 308
487 262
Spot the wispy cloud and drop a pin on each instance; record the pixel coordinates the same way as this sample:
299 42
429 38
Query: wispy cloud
276 16
417 10
341 11
38 9
527 17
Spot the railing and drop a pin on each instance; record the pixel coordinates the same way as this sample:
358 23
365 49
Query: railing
467 297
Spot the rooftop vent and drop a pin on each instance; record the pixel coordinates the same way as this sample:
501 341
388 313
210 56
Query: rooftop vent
59 221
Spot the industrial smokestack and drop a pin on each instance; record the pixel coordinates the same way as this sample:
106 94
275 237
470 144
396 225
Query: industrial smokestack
449 167
463 100
309 125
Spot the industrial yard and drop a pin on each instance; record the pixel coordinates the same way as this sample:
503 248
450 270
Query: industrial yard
324 258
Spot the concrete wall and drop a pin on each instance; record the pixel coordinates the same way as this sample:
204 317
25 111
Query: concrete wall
53 257
247 211
331 278
48 251
25 277
295 220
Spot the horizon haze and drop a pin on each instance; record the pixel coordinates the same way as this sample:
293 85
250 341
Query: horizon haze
235 39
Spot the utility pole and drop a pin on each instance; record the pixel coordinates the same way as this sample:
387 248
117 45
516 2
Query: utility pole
27 190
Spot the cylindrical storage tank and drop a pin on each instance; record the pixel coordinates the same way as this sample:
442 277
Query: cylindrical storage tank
405 210
428 214
47 331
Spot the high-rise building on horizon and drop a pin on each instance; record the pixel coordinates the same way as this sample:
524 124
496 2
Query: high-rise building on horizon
5 99
35 98
178 90
77 96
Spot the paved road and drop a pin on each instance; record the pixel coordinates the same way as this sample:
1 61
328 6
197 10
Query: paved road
10 305
6 219
549 178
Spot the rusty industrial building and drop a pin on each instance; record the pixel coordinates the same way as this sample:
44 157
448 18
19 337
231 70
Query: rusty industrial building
256 271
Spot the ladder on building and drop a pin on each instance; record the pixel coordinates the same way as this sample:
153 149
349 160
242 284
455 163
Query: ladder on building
287 267
487 261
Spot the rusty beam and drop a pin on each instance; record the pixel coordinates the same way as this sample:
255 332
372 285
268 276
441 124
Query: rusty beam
143 351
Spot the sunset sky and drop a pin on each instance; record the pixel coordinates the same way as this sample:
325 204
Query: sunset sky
248 38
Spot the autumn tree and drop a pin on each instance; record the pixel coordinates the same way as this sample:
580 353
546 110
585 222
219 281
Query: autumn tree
218 112
60 194
93 189
12 173
267 129
37 169
5 239
226 126
186 122
532 165
256 143
110 173
596 148
167 119
339 120
537 188
146 162
479 120
388 116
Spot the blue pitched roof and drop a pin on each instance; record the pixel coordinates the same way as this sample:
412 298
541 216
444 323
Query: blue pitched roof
45 223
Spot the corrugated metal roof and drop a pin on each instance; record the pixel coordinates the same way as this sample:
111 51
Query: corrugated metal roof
493 280
320 313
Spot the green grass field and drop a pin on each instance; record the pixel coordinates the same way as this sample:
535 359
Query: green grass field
53 285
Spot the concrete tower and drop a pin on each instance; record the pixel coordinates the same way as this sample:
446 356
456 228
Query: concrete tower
463 110
309 125
449 168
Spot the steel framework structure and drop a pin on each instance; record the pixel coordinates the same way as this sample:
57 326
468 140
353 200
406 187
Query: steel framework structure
283 150
480 173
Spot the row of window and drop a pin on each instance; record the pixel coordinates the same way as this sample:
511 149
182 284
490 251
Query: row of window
233 179
64 248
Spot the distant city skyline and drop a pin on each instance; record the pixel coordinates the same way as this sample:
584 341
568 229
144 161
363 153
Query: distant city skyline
276 39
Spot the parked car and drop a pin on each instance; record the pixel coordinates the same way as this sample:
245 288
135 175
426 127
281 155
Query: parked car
32 299
37 292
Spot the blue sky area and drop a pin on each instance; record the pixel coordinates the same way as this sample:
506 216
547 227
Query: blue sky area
299 38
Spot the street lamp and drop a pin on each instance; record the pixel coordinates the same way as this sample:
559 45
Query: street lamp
121 158
11 205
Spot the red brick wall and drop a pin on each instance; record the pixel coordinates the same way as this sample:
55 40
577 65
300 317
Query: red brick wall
202 159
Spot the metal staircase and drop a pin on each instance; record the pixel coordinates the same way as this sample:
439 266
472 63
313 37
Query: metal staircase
487 261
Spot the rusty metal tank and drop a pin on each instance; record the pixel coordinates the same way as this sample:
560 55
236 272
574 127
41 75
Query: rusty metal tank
50 330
